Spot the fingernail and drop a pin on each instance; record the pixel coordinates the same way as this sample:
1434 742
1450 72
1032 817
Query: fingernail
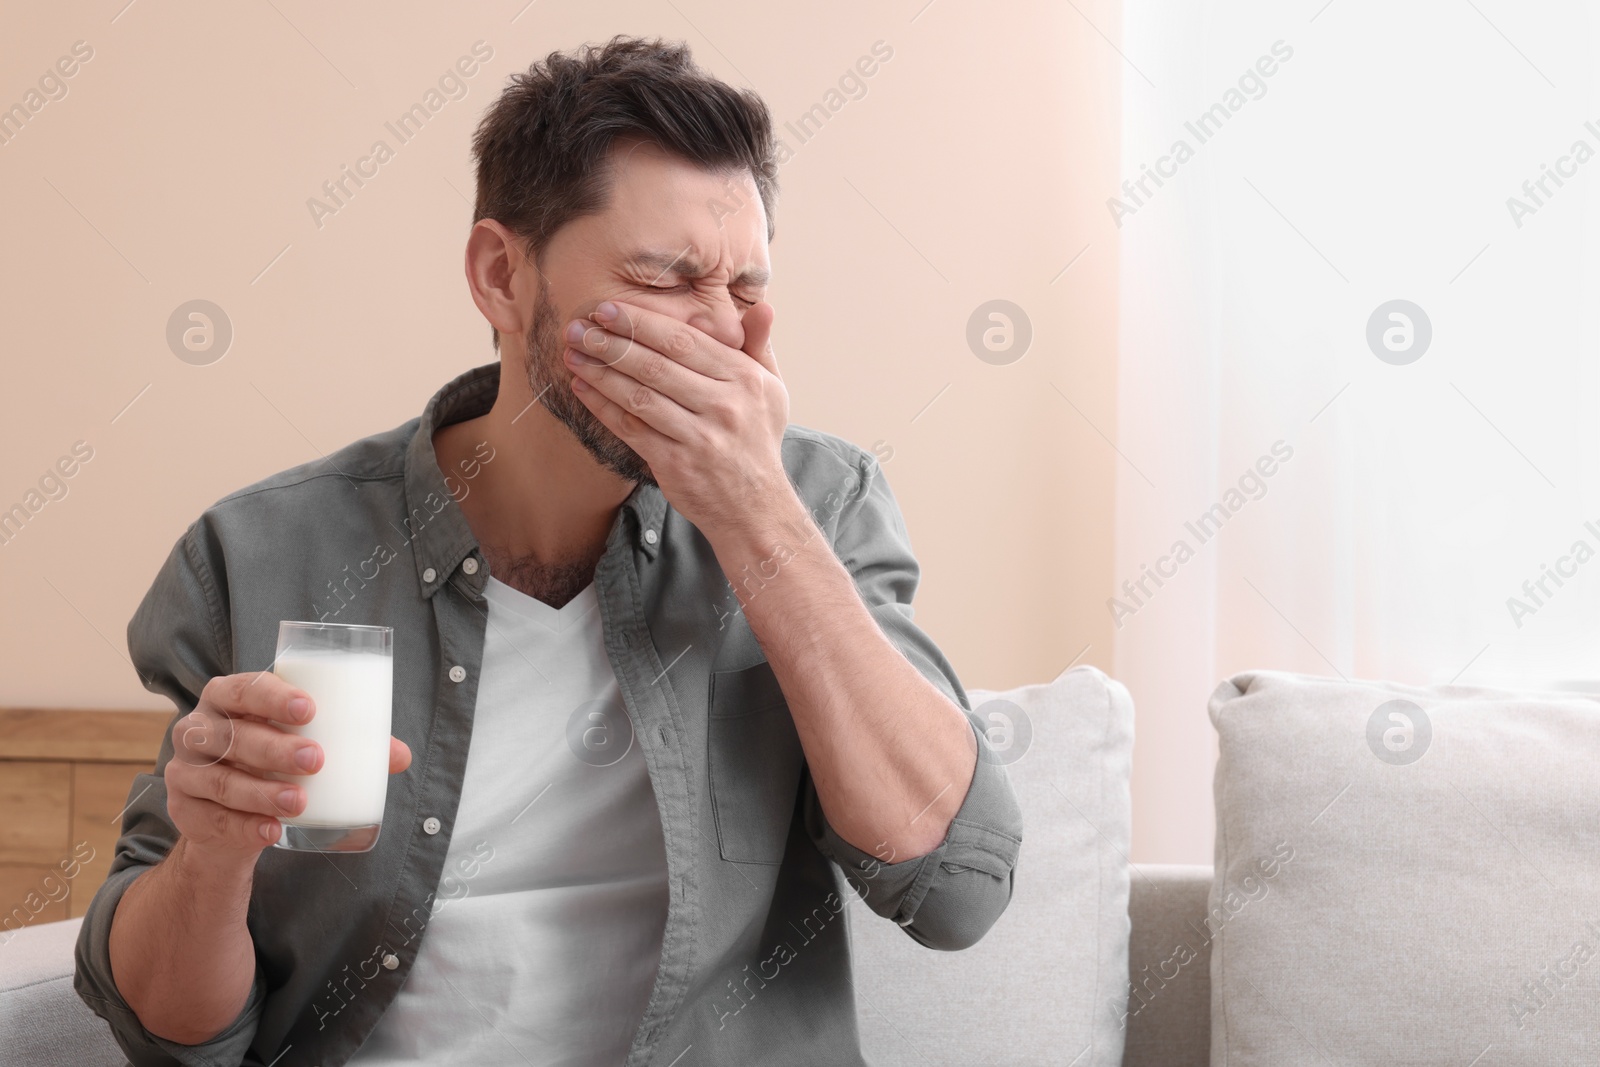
606 310
306 758
575 332
300 709
269 829
287 798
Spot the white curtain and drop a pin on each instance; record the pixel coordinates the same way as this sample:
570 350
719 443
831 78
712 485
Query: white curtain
1318 162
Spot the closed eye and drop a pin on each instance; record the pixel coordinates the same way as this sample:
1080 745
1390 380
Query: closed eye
684 288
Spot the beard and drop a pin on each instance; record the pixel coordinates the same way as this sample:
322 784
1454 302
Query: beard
549 384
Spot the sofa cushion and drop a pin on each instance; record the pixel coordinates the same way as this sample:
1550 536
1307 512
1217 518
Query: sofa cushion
42 1020
1404 875
1048 983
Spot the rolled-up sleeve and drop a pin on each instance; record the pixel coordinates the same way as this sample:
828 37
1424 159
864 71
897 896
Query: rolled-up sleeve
177 641
950 897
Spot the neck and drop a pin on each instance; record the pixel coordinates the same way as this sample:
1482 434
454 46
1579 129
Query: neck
542 503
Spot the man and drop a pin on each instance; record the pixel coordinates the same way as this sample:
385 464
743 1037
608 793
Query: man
631 798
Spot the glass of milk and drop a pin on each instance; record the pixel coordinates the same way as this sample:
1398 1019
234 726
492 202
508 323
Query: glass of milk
348 671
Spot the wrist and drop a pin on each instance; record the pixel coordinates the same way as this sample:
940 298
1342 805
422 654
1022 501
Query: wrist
211 874
776 518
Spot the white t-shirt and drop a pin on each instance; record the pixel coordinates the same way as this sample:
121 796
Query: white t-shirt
547 931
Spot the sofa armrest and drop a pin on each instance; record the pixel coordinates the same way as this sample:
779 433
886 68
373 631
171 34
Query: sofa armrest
43 1021
1169 968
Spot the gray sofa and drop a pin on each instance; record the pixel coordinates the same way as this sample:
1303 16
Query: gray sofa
44 1024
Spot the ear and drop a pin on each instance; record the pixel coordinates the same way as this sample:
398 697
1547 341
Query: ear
501 277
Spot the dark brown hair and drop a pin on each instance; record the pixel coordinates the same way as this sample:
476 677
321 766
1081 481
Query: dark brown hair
542 147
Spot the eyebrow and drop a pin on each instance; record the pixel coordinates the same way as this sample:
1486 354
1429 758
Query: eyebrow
661 262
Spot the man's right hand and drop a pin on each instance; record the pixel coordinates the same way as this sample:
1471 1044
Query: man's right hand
219 795
180 948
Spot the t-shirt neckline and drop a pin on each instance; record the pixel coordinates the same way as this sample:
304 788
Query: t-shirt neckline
519 603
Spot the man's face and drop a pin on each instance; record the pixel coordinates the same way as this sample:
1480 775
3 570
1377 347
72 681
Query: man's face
673 239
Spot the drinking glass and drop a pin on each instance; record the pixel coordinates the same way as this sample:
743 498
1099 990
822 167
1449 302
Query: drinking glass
348 671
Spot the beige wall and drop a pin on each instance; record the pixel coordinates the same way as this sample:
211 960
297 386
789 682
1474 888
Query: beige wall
179 165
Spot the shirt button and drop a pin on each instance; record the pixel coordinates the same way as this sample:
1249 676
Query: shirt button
458 673
429 575
391 961
430 825
650 537
470 565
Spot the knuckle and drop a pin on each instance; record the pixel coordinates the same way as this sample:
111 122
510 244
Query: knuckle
236 791
639 399
233 692
253 749
279 754
185 815
220 822
225 789
653 368
189 731
213 691
205 737
678 343
179 785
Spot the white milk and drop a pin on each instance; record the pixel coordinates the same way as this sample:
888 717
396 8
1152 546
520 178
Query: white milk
352 693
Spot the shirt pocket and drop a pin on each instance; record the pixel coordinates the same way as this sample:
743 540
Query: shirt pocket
755 760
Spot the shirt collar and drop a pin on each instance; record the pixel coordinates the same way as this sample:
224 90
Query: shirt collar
434 525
